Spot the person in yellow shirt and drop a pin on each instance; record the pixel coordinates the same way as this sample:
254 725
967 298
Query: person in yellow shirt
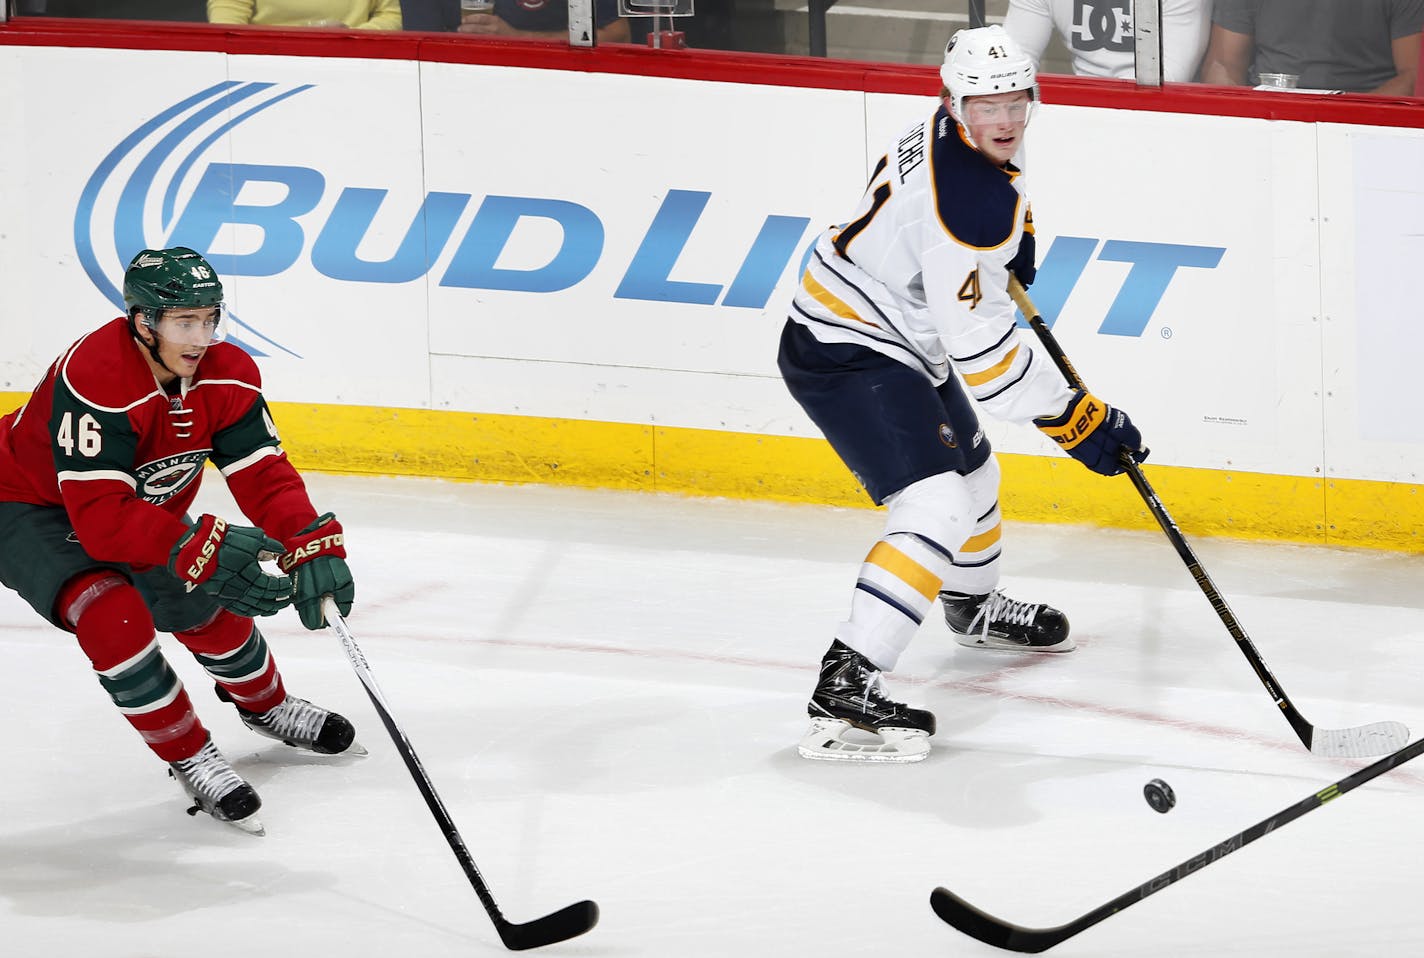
358 14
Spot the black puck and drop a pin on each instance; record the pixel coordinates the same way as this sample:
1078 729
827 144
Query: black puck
1159 795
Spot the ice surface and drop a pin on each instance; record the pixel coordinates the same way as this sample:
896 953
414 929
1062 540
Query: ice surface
607 688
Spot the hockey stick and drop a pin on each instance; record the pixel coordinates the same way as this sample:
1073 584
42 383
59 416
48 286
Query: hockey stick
563 924
1003 934
1376 738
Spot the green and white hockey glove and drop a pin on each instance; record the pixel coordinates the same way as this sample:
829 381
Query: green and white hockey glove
223 560
316 561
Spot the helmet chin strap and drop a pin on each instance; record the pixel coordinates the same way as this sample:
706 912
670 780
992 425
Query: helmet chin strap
969 136
968 133
151 347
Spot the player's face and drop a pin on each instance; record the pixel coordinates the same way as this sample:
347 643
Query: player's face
184 335
997 123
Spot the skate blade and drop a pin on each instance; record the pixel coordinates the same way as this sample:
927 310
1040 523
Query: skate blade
355 749
252 825
995 644
826 741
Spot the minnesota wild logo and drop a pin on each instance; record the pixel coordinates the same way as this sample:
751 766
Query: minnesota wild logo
164 478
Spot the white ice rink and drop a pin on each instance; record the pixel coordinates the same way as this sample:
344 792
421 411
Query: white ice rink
607 688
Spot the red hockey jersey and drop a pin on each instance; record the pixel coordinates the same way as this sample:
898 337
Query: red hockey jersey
125 457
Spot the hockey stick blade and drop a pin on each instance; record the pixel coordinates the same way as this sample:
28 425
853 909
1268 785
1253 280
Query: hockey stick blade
983 926
975 923
562 925
1364 741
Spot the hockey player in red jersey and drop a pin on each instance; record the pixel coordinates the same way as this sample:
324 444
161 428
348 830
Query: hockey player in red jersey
97 473
902 324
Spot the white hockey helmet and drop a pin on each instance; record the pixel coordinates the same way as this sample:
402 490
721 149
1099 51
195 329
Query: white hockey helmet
983 61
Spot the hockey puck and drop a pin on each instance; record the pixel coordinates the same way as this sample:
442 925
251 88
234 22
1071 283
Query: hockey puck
1159 795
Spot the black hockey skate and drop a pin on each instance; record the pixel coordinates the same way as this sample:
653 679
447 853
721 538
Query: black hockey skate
847 697
300 724
216 789
995 621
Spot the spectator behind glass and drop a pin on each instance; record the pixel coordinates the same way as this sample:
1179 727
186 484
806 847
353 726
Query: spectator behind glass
544 20
1099 34
360 14
191 11
430 15
1419 74
1358 46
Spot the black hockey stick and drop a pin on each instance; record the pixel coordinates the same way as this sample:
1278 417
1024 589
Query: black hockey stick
1376 738
563 924
1003 934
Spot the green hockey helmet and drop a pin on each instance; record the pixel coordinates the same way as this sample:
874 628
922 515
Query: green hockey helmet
177 278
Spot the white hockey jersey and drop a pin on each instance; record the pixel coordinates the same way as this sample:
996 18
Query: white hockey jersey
921 273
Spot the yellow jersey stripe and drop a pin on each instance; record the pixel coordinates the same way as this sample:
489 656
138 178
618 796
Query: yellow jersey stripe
993 372
829 299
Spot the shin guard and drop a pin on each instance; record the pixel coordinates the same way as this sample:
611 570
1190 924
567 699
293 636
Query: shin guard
115 630
232 650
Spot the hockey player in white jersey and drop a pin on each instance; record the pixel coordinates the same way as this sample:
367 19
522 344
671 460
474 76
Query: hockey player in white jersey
903 315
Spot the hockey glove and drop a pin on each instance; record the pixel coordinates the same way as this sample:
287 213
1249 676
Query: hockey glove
222 560
1022 265
316 561
1095 434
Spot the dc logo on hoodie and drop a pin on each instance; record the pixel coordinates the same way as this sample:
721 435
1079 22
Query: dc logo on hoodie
1102 25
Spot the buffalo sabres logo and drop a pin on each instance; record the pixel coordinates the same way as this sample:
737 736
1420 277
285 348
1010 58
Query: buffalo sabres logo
946 436
164 478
